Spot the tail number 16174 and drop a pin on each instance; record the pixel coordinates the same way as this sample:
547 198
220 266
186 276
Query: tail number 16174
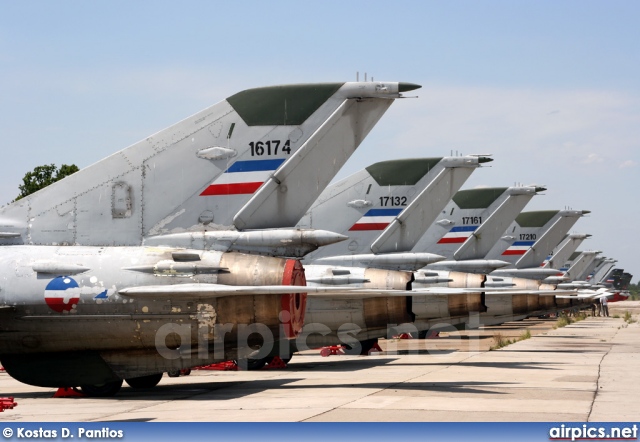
260 148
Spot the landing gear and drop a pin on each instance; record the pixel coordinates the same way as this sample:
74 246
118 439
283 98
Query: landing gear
178 373
365 347
251 364
107 389
144 382
257 364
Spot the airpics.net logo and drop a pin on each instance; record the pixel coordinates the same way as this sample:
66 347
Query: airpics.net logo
586 432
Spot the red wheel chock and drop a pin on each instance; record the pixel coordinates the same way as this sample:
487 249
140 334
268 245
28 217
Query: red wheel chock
7 403
276 363
67 392
325 352
221 366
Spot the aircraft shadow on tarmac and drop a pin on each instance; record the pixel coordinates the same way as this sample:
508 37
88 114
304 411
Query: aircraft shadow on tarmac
246 388
513 365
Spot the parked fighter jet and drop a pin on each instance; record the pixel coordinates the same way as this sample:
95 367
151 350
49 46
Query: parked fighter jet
359 322
579 266
83 302
563 251
375 207
475 220
532 236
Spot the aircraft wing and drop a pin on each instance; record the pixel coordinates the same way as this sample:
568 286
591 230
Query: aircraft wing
207 291
592 295
432 291
556 293
203 291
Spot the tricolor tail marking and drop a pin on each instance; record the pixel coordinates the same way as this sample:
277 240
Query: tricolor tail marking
518 248
376 219
243 177
457 235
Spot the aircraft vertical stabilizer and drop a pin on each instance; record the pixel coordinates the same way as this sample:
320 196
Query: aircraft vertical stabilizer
403 233
588 269
480 242
549 239
599 276
564 250
580 265
165 183
365 204
291 190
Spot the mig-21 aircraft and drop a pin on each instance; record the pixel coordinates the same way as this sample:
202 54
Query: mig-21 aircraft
122 270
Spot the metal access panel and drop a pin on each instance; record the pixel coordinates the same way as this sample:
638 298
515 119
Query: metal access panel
121 200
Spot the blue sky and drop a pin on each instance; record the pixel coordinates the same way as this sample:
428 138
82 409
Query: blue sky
551 88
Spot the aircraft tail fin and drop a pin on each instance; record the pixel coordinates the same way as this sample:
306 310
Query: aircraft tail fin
289 192
548 238
362 205
402 234
580 264
564 250
480 242
163 184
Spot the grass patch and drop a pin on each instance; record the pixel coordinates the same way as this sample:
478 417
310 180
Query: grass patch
525 335
501 341
562 321
617 315
628 318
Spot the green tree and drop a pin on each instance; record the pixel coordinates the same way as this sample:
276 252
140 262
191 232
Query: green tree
42 176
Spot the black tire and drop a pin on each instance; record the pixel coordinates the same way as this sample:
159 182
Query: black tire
422 334
251 364
144 382
283 359
107 389
365 347
173 373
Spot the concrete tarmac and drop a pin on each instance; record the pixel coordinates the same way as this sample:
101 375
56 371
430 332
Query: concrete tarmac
587 371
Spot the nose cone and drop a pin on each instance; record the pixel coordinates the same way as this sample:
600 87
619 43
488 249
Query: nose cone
429 258
406 87
484 160
324 237
540 189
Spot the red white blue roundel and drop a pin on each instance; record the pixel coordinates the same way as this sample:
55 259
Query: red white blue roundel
62 294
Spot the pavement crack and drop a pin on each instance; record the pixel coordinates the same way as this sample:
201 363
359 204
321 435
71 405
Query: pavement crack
595 394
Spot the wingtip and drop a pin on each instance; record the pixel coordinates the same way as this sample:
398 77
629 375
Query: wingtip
406 87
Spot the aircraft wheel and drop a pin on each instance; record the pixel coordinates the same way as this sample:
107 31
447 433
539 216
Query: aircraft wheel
178 373
365 346
422 334
283 359
141 382
104 390
251 364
